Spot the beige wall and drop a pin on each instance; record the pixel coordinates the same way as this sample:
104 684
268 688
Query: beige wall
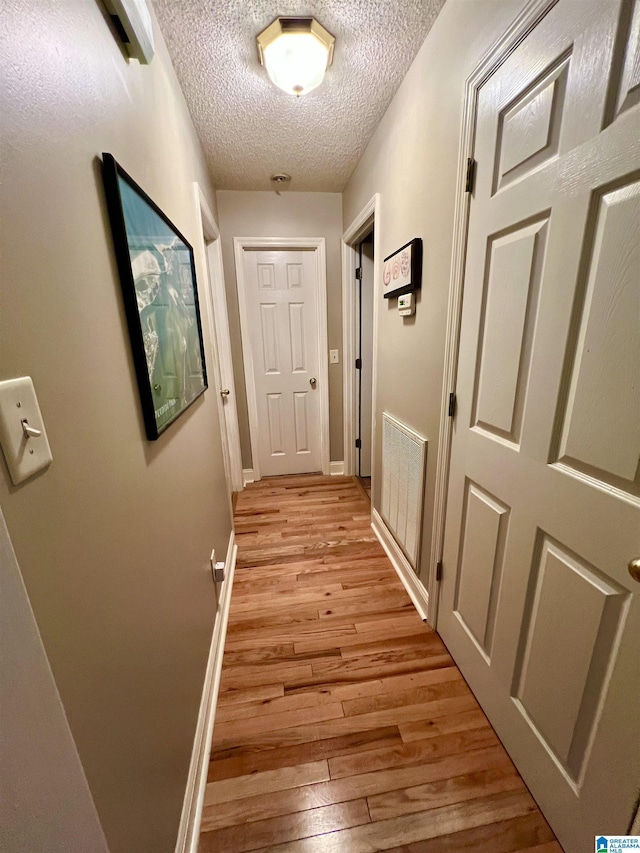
45 802
114 539
290 214
412 161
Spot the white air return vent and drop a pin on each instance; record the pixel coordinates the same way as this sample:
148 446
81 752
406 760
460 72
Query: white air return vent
404 456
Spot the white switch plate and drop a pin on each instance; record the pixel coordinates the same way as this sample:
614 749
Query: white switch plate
25 456
334 358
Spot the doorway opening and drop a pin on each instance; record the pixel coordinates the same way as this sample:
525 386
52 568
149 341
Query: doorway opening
364 360
359 343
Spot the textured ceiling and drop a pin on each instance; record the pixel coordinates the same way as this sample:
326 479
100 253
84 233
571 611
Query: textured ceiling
250 129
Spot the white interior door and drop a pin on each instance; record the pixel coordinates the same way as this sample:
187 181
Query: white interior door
222 366
543 508
281 337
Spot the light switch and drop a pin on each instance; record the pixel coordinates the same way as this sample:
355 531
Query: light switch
334 358
22 435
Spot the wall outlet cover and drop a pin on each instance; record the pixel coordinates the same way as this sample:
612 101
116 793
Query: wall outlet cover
26 454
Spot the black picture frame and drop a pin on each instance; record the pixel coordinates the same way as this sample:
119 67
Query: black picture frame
402 270
160 294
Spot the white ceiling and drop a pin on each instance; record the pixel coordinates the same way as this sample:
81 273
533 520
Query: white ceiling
250 129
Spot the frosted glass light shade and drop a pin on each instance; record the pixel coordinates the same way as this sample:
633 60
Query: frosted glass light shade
296 52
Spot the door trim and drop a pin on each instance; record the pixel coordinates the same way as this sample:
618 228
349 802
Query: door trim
526 21
365 220
219 325
317 244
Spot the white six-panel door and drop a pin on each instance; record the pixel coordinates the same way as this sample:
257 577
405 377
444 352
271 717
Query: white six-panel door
282 331
543 508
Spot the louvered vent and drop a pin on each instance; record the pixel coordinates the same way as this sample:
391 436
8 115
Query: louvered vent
404 456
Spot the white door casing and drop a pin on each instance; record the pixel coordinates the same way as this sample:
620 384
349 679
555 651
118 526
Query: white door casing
543 505
283 317
221 360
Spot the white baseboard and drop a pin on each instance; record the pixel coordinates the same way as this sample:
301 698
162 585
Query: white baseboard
417 593
247 476
336 469
189 830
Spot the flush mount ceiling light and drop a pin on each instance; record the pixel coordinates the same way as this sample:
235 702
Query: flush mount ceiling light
296 52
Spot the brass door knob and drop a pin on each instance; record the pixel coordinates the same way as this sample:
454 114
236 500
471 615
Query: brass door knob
224 392
313 381
634 570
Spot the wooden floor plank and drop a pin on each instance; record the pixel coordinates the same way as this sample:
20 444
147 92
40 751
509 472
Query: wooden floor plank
385 834
399 699
248 694
435 727
276 705
265 833
247 726
342 723
406 754
227 765
469 786
395 683
266 782
507 836
268 737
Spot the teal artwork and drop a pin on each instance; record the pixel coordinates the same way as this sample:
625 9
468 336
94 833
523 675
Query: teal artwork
158 279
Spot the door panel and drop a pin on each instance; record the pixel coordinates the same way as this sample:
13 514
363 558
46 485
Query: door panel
276 431
301 415
562 663
484 529
296 333
281 296
529 129
601 413
269 322
629 84
543 508
513 281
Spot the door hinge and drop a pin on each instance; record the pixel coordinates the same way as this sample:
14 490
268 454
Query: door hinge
471 175
452 404
358 443
359 274
358 364
439 571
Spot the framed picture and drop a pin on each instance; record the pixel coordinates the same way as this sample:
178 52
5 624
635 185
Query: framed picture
158 278
402 271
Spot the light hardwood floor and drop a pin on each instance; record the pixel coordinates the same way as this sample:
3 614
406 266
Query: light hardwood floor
343 724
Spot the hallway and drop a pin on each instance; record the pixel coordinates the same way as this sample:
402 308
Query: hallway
342 723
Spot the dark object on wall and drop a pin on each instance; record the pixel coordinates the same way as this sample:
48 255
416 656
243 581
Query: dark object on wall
402 271
132 22
158 278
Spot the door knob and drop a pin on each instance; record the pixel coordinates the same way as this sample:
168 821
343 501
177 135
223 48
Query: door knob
634 570
313 382
224 392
